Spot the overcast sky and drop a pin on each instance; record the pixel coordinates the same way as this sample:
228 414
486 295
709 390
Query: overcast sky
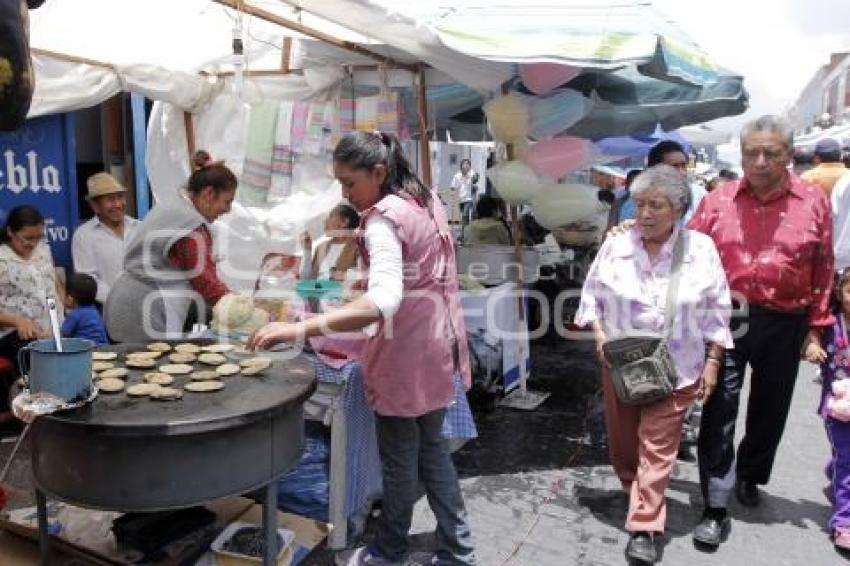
776 44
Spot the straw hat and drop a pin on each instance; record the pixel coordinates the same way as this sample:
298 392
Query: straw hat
101 184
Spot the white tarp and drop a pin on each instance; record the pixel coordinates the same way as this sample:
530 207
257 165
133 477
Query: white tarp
157 48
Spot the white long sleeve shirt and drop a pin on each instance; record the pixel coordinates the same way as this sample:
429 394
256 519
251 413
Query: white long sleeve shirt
99 252
385 265
840 200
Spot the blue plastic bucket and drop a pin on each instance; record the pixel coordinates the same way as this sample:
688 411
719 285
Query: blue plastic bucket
66 374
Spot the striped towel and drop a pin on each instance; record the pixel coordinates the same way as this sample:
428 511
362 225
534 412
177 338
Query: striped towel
381 112
366 114
300 112
282 155
257 170
319 126
346 114
387 112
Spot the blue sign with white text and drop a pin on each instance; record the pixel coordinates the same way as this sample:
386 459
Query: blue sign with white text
38 167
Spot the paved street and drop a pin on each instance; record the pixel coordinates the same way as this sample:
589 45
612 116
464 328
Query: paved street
574 515
540 494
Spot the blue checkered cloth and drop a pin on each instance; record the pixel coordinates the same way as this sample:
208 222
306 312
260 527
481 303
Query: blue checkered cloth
363 473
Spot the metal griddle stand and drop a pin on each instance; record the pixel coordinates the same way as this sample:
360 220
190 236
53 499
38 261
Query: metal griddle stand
269 525
125 455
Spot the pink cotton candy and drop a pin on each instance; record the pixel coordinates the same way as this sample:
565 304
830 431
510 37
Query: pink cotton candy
542 78
556 157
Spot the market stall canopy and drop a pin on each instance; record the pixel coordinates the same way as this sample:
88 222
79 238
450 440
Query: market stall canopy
628 146
479 41
639 69
85 51
704 135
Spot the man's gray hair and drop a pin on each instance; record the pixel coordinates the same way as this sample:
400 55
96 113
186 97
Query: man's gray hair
669 181
770 123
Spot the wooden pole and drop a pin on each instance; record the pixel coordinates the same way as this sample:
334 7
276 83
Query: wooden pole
314 33
424 143
71 58
189 124
286 54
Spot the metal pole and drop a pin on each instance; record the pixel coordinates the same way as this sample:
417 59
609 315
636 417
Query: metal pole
143 202
270 523
43 537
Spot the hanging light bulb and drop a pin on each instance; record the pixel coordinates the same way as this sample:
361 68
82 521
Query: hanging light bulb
238 60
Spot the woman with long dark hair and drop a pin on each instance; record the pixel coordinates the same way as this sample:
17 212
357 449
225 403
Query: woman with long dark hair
417 341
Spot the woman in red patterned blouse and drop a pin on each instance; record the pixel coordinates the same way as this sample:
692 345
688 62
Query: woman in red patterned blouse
168 265
211 189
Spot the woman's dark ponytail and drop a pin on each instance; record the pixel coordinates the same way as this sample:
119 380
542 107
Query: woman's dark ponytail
400 172
363 150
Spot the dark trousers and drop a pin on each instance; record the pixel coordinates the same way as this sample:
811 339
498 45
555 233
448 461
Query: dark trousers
413 450
771 346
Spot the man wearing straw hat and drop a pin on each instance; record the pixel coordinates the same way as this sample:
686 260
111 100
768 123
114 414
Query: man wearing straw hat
98 245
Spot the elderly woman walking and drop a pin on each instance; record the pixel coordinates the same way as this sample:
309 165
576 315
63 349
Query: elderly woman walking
626 293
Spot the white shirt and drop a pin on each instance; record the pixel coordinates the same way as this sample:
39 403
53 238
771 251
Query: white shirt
697 194
385 265
326 265
463 185
840 199
99 252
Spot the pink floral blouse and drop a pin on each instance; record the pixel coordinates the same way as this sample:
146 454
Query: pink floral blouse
625 292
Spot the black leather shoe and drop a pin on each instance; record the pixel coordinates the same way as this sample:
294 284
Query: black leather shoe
641 547
711 529
747 493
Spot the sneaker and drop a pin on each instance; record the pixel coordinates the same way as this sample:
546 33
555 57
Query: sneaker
443 558
841 539
369 556
363 556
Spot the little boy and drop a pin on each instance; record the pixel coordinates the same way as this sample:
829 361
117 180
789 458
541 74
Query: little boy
84 320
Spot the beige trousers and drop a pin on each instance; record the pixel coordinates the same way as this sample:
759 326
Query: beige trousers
643 441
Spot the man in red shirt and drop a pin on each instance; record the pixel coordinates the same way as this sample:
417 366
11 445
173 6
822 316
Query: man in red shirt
774 235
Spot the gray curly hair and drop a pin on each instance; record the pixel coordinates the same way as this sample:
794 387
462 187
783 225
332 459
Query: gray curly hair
669 181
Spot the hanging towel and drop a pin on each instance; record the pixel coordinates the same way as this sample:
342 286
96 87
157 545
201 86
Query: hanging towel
282 155
387 112
318 127
381 112
300 113
346 114
366 114
256 172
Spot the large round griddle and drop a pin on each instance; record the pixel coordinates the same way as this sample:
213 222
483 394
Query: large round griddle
135 454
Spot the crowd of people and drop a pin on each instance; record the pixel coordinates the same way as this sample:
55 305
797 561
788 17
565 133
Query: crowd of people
744 275
758 290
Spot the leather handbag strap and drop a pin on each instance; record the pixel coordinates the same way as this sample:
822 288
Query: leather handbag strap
673 286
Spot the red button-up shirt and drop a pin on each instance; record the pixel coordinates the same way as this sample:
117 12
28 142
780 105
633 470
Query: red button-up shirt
194 254
777 253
